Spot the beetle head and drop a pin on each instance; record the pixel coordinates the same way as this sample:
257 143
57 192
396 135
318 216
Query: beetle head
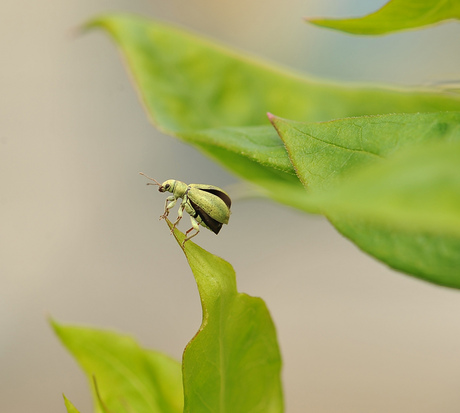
167 186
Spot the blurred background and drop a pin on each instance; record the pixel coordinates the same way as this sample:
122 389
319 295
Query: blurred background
80 238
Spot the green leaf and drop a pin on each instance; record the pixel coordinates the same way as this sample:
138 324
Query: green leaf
405 211
412 225
417 189
216 99
69 406
129 377
396 15
324 152
189 84
233 363
257 154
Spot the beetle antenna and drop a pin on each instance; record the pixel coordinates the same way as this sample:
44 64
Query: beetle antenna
148 177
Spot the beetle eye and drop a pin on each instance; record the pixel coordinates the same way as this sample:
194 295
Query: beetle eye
167 186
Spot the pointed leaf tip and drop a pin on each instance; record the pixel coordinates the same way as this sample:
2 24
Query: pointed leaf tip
270 116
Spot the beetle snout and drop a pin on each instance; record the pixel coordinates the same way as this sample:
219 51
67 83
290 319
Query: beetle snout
161 189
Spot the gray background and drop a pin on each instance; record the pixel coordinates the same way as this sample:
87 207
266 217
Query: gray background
80 238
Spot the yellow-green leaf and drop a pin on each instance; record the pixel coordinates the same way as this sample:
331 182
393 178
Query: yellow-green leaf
396 15
405 211
69 406
323 152
128 377
233 363
216 99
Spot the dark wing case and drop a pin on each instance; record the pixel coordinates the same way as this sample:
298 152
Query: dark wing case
220 194
212 224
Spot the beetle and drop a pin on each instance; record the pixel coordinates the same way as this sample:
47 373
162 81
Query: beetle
207 205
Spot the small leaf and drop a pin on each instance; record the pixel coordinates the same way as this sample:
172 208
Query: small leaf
396 15
233 363
69 406
129 378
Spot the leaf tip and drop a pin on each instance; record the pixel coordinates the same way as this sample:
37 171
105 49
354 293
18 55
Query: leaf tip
270 116
273 118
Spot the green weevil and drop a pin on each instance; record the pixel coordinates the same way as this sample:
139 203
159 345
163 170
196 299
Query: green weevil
207 205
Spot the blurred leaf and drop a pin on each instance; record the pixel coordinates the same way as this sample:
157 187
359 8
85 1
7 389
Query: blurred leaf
394 16
216 99
326 151
233 362
129 377
69 406
188 83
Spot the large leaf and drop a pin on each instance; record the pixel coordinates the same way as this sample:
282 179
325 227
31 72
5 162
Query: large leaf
129 377
323 152
405 211
396 15
233 363
188 83
385 186
257 154
212 97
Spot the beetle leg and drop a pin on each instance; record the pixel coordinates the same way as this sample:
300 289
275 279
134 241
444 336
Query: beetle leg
180 213
170 202
195 226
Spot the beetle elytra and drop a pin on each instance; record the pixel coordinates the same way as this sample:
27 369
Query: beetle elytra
207 205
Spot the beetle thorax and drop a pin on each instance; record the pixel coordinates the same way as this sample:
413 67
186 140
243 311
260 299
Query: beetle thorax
177 188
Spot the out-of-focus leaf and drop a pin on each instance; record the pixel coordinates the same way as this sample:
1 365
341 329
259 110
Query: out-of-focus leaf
396 15
69 406
233 363
189 84
129 378
215 99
